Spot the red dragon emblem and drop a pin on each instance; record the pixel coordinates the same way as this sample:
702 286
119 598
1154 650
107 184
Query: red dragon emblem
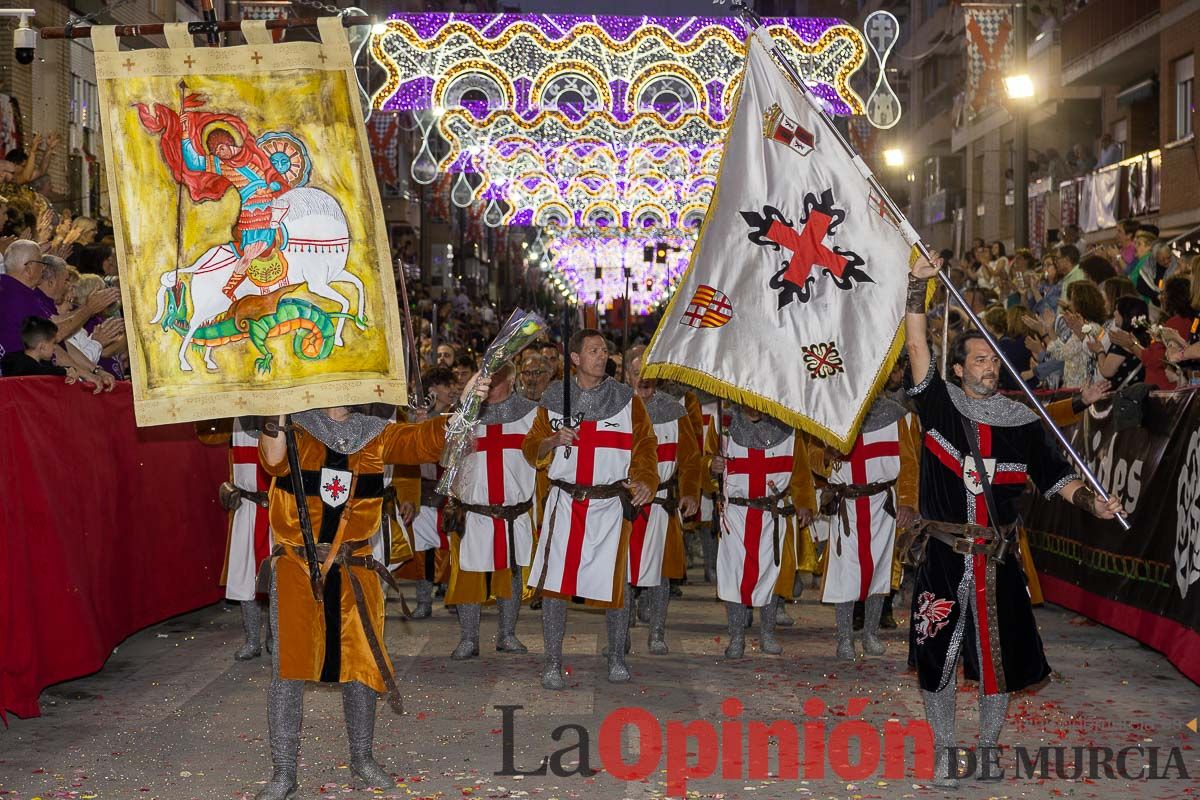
932 615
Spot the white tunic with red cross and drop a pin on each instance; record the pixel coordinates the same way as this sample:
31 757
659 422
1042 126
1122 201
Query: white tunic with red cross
648 538
428 531
746 568
860 559
584 536
498 474
249 530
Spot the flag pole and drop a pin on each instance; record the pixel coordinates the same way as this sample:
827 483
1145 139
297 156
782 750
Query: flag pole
755 23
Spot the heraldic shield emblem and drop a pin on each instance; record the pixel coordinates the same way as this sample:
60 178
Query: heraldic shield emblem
335 486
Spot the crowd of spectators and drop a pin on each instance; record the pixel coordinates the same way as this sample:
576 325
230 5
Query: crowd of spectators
60 311
1125 312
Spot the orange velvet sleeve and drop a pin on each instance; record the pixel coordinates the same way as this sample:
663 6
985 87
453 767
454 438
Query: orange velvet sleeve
533 440
687 459
818 456
215 431
413 443
643 461
908 483
1063 413
803 491
407 480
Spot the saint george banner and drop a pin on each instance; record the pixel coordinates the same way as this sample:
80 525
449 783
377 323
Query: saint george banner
254 263
793 300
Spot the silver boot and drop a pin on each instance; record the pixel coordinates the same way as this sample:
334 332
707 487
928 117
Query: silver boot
285 714
506 640
251 625
769 644
782 618
642 599
939 711
617 622
424 607
844 614
468 623
871 644
554 627
660 597
358 703
736 612
992 710
708 542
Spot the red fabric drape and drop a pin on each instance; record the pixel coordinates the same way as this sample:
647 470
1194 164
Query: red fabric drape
105 529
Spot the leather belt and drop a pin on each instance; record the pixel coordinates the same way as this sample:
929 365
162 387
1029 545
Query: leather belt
965 538
777 505
835 495
368 485
429 494
670 503
509 513
578 492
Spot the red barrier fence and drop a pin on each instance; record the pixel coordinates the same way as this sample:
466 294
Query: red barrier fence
105 529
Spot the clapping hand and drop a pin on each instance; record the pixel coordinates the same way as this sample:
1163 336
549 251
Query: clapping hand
1094 392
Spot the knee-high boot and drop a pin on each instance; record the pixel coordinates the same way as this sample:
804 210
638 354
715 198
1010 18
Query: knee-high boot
766 629
424 607
468 623
736 613
870 639
358 703
554 627
507 641
844 615
660 598
285 714
251 625
617 622
939 711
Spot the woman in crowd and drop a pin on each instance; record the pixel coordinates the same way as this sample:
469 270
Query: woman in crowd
1119 365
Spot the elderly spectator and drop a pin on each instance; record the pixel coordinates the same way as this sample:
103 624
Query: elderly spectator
1147 284
1068 265
108 332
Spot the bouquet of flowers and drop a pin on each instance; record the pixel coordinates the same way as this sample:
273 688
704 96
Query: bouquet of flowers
1091 329
520 329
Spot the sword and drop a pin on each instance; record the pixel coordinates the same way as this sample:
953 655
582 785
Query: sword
567 421
719 500
306 530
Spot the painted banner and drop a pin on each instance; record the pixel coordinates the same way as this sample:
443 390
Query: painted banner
989 51
793 300
254 263
1144 582
1098 200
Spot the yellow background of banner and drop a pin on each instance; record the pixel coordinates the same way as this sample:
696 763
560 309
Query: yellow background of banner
306 89
313 106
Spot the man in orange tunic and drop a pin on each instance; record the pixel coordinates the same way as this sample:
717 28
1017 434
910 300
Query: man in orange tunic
337 638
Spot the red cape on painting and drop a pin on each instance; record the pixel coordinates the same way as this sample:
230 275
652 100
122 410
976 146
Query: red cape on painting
203 185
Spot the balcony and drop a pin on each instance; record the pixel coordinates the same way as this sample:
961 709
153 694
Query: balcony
1096 201
1111 41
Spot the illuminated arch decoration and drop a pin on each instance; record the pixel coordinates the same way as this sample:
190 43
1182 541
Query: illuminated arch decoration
530 103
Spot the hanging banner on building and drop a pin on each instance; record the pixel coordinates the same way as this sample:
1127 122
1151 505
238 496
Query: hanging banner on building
793 300
255 271
1098 200
1144 582
989 51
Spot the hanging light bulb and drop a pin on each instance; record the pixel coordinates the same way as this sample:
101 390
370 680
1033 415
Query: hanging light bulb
462 193
424 167
493 216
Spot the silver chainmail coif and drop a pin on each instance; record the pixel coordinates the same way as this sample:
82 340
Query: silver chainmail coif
600 402
663 408
511 409
998 410
883 412
761 435
345 437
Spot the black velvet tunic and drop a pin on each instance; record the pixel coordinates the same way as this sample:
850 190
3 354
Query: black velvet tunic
1015 449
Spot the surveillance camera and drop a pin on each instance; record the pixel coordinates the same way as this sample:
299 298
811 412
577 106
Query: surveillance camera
24 43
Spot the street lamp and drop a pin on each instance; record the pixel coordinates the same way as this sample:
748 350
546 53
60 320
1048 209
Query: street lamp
1019 87
893 157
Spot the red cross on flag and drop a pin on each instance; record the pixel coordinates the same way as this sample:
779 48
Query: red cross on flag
810 253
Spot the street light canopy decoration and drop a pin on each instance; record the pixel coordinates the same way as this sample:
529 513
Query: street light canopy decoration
585 120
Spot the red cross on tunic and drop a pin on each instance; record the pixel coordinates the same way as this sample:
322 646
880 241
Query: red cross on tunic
492 444
248 454
756 466
807 248
590 439
859 456
979 560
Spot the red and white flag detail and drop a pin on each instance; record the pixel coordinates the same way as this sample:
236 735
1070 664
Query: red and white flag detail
707 309
813 258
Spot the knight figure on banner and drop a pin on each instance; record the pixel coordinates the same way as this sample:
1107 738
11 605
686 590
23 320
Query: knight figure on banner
286 234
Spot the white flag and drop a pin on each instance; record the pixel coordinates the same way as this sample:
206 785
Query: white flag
794 297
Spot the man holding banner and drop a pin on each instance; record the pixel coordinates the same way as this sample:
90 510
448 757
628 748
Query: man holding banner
970 597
